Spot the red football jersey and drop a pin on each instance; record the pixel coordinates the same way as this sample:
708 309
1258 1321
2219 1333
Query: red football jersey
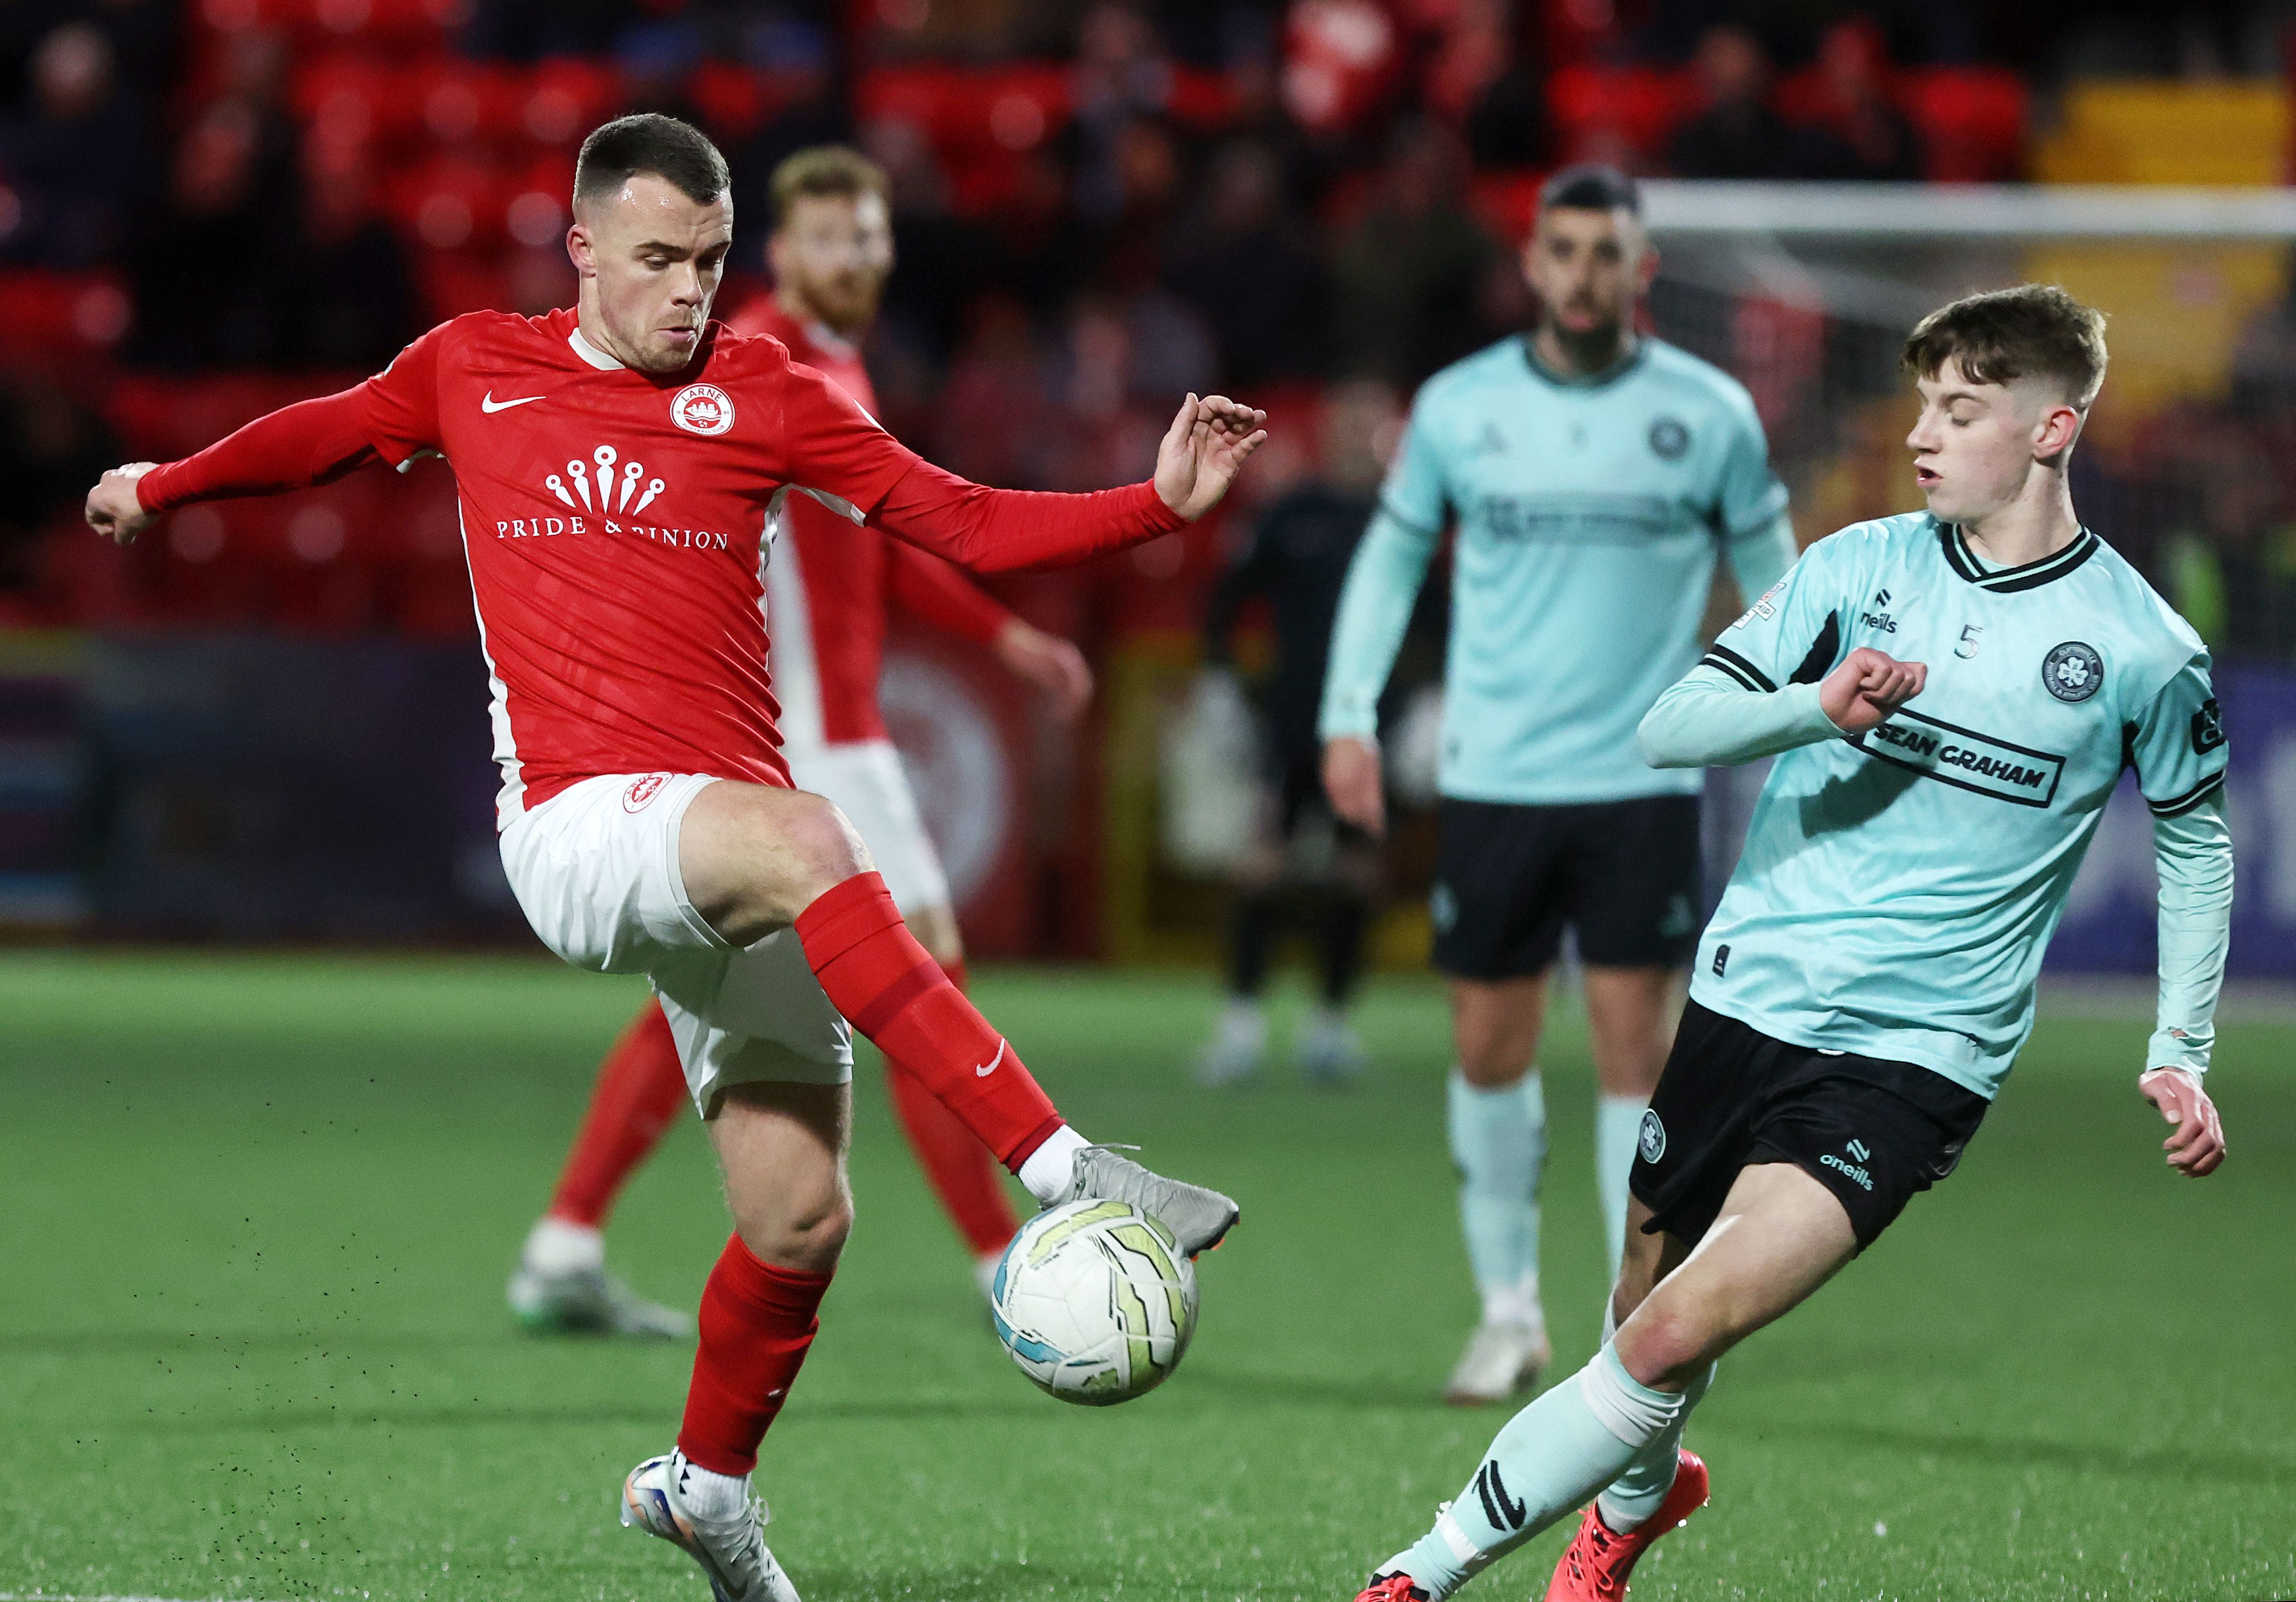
614 522
828 583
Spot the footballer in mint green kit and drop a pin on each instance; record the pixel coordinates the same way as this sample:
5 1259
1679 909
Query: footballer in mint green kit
1595 478
1951 697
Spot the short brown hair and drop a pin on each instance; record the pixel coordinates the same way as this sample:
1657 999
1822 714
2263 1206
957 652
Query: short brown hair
2034 330
650 143
824 169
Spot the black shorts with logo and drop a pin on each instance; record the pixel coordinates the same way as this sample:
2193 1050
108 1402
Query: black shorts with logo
1624 874
1872 1131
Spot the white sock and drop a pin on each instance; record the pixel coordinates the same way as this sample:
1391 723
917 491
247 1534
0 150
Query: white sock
705 1491
1048 1171
1618 1126
1499 1139
554 1247
1516 1303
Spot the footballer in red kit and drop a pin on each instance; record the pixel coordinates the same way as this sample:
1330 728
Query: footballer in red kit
830 584
618 466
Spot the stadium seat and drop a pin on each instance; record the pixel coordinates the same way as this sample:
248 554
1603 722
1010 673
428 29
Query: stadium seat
1638 106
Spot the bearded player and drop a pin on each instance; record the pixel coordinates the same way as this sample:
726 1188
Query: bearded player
828 589
619 466
1867 981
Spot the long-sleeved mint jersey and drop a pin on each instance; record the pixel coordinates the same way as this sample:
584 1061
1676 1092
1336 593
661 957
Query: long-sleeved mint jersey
1590 512
1898 889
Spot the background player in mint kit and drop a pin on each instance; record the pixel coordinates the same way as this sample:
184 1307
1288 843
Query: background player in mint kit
1593 475
1868 979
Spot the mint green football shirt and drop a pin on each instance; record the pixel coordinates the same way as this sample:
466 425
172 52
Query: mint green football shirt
1590 512
1898 889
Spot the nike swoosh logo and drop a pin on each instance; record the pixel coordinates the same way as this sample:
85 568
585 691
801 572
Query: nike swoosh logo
981 1073
490 404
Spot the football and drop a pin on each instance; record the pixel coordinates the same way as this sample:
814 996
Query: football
1094 1302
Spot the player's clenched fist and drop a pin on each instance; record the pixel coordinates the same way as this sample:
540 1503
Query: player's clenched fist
112 508
1868 688
1210 439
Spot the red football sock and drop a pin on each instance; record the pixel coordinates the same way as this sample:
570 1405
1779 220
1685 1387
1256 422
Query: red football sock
881 980
958 1166
640 1088
757 1323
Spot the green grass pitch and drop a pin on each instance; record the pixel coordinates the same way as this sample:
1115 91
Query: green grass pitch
256 1212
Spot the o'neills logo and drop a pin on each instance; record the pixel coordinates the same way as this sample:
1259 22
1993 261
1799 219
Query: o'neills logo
701 409
643 791
598 493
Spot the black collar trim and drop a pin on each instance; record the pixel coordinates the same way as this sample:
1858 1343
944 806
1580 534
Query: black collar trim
2008 581
1611 374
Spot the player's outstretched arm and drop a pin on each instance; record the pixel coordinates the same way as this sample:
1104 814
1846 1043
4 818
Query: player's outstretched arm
2193 848
311 442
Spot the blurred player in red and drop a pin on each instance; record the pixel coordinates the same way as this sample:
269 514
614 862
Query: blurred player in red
620 467
828 588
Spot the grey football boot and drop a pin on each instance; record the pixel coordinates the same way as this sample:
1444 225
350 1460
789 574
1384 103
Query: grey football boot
1198 1217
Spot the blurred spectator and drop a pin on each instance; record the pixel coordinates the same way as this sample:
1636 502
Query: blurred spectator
996 416
1736 134
1249 271
1303 865
354 306
52 448
73 159
527 30
1405 276
1120 76
808 111
1859 134
1106 428
213 272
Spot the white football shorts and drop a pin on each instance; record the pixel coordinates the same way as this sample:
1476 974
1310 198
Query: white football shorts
865 779
594 868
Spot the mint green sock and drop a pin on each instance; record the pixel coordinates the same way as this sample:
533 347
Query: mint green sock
1617 1128
1548 1459
1628 1501
1499 1139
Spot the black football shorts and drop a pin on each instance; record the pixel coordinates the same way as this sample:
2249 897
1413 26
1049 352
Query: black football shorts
1508 879
1874 1132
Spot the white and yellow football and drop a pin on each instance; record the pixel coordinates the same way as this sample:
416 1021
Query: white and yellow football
1095 1301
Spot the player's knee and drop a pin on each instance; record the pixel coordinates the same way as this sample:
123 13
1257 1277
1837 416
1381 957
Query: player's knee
823 849
808 1238
1667 1343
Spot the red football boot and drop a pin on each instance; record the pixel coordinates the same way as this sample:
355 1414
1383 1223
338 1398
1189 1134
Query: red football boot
1392 1588
1594 1566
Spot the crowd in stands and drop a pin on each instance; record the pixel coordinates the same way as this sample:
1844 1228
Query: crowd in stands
1099 204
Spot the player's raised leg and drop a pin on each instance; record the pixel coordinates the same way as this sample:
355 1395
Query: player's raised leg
959 1168
755 859
1781 1234
1497 1122
561 1282
782 1148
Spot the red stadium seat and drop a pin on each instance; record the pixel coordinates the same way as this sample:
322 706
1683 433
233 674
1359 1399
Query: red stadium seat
1636 106
1972 122
564 99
